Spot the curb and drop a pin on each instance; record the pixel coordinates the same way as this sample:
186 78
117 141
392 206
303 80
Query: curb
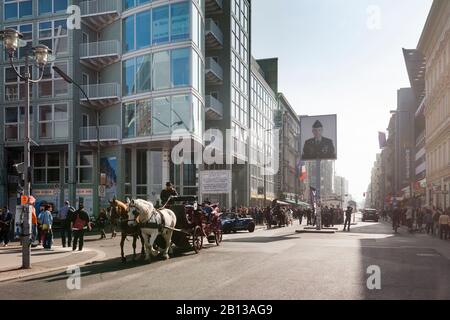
316 231
100 255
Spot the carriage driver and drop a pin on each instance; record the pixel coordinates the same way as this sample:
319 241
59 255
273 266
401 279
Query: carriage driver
168 192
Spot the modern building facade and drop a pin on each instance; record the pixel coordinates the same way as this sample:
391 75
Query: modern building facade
150 69
289 186
434 44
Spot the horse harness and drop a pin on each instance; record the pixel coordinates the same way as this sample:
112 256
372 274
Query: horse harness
155 225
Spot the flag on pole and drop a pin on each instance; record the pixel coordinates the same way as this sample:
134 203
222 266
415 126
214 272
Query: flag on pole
301 171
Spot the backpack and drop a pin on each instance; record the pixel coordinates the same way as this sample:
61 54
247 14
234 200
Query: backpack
79 223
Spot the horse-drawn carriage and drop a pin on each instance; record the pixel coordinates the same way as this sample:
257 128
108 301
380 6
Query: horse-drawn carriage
279 215
193 224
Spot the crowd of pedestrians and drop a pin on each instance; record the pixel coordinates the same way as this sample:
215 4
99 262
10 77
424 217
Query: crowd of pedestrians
431 220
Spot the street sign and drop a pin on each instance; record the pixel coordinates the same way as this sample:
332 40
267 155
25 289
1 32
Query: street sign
101 191
23 200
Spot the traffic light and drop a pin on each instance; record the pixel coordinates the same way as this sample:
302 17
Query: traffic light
20 171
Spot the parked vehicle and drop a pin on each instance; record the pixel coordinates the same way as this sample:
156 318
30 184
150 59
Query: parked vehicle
232 222
370 215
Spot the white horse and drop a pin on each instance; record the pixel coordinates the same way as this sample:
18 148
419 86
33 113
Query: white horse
153 223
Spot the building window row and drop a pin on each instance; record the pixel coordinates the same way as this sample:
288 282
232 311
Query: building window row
54 35
14 9
169 23
84 167
157 71
53 122
162 116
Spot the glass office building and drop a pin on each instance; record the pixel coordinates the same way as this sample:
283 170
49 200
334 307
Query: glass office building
150 68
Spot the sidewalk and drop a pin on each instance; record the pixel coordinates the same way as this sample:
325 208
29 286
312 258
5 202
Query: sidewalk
428 240
42 260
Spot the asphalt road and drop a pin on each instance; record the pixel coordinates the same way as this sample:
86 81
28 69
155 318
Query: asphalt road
268 264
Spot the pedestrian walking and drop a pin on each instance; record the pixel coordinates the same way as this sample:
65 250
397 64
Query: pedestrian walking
428 220
101 222
80 223
332 216
348 218
308 217
65 216
419 219
435 227
443 226
5 225
409 218
47 223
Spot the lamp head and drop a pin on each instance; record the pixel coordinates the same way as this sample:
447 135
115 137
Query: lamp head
12 39
42 55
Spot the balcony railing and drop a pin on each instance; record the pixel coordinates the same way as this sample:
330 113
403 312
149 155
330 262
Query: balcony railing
214 36
213 6
98 55
99 13
101 95
214 108
214 72
100 91
97 7
99 49
106 133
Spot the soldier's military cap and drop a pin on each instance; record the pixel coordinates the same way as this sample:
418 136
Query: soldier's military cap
317 124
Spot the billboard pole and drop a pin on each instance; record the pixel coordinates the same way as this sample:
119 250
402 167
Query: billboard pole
318 196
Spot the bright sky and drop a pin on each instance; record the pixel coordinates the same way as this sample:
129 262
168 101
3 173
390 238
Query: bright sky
331 61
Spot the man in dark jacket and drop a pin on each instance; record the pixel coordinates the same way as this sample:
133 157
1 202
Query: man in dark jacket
348 218
5 224
167 193
80 223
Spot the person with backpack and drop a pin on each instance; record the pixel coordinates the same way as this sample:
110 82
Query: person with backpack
80 222
46 219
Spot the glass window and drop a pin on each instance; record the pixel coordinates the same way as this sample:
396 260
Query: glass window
143 118
143 29
161 25
128 34
180 67
25 9
180 21
161 116
10 11
181 113
127 4
143 71
45 6
128 77
161 70
60 5
129 121
141 165
140 2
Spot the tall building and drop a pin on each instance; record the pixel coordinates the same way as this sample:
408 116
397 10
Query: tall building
327 175
149 68
434 44
416 67
289 186
341 190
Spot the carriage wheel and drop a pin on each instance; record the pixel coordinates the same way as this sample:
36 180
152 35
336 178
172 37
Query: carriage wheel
197 239
218 237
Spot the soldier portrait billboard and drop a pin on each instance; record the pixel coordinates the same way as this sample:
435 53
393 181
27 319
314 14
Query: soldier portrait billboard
319 138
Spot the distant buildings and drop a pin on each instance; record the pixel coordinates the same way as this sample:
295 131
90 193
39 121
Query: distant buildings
415 163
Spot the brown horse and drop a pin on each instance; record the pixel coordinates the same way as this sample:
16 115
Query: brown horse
119 211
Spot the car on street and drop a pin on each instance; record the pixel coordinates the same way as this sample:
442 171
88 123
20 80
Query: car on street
232 222
370 215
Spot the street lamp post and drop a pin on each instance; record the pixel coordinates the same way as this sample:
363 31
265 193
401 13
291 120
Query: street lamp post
12 40
69 80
